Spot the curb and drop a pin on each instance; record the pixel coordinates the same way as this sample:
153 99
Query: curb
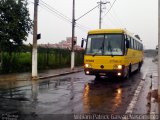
65 73
154 111
50 76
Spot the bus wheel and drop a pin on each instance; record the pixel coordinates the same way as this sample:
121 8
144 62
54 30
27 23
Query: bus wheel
129 72
97 77
139 67
128 75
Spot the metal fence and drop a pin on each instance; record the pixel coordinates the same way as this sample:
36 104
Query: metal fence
48 58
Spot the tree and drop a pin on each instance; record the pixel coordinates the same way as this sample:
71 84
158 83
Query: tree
15 23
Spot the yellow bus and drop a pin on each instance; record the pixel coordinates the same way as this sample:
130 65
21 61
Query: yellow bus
112 53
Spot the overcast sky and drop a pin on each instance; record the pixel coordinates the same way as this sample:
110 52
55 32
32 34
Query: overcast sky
137 16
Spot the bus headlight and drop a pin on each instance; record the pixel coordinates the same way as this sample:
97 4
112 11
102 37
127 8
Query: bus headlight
119 74
87 72
87 66
119 67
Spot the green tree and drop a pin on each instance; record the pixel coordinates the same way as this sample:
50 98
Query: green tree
15 23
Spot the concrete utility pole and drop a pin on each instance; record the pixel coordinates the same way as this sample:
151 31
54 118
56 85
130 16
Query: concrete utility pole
100 12
159 48
34 48
73 32
1 54
73 35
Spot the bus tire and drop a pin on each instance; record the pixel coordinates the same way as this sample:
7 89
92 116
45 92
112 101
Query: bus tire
97 77
130 70
139 66
128 74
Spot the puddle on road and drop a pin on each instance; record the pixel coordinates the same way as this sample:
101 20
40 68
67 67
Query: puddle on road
71 95
10 90
102 97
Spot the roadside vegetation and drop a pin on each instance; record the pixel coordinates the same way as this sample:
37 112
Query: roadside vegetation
15 25
48 58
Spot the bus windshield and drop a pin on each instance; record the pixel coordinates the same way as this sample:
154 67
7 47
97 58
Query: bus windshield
108 44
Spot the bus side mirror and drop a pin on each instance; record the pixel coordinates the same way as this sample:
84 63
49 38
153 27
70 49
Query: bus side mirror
82 42
127 44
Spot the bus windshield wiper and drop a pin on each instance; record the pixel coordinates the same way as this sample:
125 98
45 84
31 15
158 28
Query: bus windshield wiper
110 48
100 51
94 54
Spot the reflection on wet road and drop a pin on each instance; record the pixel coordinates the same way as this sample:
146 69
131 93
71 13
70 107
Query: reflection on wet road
70 94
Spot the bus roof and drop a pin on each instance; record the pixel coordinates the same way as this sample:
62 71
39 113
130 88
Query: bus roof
102 31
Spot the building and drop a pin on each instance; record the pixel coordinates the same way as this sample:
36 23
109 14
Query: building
64 44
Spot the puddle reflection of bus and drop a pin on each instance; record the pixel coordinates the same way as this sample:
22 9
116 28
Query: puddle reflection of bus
112 53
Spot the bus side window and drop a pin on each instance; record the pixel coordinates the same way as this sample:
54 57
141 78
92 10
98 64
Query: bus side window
132 44
135 44
138 46
129 41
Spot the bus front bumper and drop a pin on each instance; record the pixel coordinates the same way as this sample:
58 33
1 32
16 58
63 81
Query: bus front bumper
108 73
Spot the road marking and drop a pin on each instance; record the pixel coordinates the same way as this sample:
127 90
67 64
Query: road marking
145 73
134 99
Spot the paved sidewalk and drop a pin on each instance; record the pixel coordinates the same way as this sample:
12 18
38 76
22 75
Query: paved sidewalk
147 103
154 94
23 79
42 74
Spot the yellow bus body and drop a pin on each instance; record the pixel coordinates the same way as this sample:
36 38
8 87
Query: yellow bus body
107 65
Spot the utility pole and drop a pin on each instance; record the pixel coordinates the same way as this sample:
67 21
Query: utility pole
1 52
100 12
159 48
73 37
73 32
34 47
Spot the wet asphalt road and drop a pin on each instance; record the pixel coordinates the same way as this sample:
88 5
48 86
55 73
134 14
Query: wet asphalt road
70 94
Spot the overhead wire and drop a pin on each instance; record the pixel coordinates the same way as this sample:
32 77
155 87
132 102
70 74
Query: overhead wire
57 13
117 21
60 15
110 8
111 21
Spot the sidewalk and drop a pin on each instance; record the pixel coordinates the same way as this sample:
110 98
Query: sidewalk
147 103
23 79
154 92
42 74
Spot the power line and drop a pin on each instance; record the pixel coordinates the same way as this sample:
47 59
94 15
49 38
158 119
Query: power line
110 8
60 15
111 18
118 19
87 12
115 18
111 21
55 11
